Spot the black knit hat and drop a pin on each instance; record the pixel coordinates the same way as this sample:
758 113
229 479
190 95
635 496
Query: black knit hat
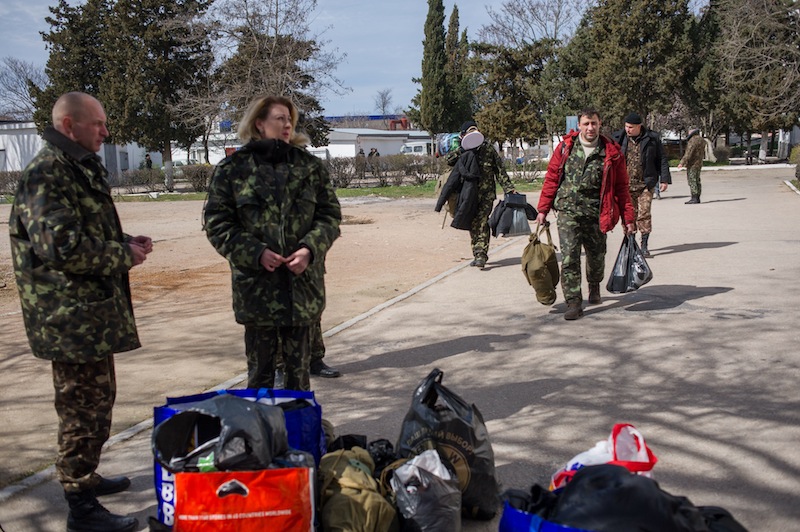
466 125
633 118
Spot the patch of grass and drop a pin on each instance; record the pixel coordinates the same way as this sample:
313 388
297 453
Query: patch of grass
356 220
161 196
392 191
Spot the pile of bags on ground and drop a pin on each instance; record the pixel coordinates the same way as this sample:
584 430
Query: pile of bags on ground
242 460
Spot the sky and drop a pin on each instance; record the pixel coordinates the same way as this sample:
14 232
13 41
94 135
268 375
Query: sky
382 40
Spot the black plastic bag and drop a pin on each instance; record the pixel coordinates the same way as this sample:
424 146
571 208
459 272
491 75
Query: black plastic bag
439 419
609 498
226 432
631 270
426 501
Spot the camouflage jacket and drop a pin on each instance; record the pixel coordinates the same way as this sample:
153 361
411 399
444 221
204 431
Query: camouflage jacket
614 195
273 195
70 258
695 152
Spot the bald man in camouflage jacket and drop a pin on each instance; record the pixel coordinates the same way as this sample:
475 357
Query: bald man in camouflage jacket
71 262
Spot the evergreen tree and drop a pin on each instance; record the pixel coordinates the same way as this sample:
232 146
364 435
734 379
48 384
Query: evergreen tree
638 54
75 42
508 93
435 94
460 106
152 56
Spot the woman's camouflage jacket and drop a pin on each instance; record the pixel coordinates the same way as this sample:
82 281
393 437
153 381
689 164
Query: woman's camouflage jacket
273 195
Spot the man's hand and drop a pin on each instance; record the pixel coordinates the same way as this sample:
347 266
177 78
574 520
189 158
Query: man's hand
270 260
663 187
139 252
298 261
540 218
630 229
145 242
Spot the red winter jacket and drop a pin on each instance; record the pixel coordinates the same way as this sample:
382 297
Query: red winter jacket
615 196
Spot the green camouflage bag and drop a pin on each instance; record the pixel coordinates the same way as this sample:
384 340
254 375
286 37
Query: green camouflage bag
540 266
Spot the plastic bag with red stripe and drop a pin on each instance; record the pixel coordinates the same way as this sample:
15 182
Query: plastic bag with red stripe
625 446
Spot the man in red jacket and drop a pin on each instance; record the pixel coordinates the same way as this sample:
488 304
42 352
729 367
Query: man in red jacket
587 183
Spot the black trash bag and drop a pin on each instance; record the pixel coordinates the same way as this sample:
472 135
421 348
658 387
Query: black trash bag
631 270
241 434
382 453
439 419
609 498
427 502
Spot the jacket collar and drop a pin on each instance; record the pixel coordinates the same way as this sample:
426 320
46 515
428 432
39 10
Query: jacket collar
68 146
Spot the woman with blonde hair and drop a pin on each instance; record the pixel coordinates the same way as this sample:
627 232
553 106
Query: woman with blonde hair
273 214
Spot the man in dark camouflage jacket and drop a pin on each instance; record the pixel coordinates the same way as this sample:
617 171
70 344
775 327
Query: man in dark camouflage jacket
71 262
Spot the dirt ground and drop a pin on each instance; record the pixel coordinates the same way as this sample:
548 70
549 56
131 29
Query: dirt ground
183 309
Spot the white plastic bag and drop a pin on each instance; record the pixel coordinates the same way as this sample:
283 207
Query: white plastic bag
625 446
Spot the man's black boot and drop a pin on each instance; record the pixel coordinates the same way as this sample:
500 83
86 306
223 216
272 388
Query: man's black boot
86 514
321 369
693 200
645 251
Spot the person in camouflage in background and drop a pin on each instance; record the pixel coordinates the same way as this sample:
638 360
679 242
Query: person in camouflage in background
648 171
693 161
492 172
273 214
71 262
587 183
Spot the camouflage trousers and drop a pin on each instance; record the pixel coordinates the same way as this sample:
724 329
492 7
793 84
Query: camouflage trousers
574 234
317 346
266 346
479 231
84 397
642 199
693 177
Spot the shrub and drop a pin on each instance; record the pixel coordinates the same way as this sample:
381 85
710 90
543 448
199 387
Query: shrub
147 180
198 176
723 154
342 171
9 182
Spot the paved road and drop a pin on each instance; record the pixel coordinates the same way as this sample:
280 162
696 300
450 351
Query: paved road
703 360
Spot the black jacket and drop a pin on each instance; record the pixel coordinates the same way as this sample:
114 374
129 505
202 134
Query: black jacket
655 164
463 181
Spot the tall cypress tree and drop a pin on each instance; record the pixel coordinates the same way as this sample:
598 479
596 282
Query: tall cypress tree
434 96
459 107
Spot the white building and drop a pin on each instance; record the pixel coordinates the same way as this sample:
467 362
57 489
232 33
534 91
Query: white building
342 142
19 143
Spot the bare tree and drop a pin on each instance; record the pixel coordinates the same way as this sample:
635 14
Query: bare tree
522 22
383 101
16 77
267 47
759 48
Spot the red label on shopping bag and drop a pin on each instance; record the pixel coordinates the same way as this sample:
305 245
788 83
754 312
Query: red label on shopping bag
245 501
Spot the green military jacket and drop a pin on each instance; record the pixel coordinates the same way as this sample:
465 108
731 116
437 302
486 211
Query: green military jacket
273 195
70 258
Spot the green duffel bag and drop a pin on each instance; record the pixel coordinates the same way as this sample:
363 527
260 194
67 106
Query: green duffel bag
540 266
